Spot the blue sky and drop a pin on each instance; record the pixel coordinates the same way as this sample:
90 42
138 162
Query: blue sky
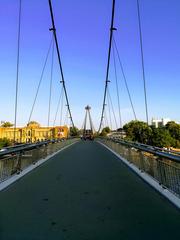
83 33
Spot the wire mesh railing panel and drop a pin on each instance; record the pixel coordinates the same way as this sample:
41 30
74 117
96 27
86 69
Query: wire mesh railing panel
16 163
8 167
166 172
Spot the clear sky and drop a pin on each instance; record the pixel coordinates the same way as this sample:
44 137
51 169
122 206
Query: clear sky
83 33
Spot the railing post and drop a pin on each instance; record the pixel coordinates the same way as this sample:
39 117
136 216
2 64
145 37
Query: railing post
129 155
161 172
35 155
141 161
19 163
45 151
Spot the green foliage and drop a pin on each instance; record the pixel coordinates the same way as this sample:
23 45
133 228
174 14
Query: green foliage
74 131
4 142
138 131
6 124
162 138
33 122
105 131
174 129
168 136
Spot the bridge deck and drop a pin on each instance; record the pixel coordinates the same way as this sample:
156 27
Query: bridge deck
85 193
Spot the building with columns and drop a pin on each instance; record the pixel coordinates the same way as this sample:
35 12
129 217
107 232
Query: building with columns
33 132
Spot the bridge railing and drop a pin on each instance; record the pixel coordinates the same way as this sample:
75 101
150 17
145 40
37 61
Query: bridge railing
15 160
162 167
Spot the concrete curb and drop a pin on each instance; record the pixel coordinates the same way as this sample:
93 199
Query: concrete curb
165 192
16 177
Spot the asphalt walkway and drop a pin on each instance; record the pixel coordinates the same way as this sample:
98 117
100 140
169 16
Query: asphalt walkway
85 193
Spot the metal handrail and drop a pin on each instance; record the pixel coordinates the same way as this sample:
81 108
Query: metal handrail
150 149
25 147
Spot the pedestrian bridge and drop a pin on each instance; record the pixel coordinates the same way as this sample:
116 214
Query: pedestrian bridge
85 192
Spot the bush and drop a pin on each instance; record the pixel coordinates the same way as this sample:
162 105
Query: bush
4 142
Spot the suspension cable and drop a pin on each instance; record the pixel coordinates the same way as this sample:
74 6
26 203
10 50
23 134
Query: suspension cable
61 111
109 111
17 69
117 87
105 118
39 84
112 108
50 87
66 117
125 79
59 59
108 63
142 60
59 100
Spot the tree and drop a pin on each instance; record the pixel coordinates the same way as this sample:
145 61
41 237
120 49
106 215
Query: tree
6 124
105 131
174 129
74 131
33 123
138 131
161 137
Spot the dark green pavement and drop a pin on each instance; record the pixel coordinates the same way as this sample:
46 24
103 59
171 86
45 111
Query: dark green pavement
84 193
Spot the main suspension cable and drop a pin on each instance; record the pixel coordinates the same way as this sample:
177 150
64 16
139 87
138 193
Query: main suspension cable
142 61
59 59
17 69
108 64
125 79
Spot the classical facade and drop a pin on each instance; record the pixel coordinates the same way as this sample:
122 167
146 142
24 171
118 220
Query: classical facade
33 132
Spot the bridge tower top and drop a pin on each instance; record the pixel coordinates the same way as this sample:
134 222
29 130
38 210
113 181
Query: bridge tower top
87 108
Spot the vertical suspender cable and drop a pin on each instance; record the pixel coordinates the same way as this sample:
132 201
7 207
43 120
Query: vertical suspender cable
117 87
50 87
142 60
17 69
59 59
108 63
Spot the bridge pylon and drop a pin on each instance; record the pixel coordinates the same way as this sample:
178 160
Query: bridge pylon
88 133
